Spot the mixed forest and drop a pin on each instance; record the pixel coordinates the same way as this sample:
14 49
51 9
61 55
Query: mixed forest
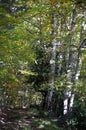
42 65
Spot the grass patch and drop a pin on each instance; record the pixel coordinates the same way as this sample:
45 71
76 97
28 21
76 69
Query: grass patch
46 124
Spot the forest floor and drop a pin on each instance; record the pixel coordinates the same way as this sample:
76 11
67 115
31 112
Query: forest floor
19 119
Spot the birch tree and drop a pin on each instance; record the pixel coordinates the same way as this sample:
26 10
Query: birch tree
68 101
52 63
82 43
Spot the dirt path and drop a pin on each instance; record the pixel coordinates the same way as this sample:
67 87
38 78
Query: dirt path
16 120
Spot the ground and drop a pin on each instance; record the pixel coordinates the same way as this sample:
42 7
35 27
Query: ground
20 119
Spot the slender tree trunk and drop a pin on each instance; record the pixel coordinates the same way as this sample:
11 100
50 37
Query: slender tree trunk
79 61
23 98
69 97
52 64
69 100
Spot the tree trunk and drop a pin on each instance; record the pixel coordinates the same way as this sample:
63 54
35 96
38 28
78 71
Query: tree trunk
79 61
69 97
52 64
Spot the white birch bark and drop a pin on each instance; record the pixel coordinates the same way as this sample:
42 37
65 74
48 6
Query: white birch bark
79 61
79 57
52 64
61 44
60 58
69 97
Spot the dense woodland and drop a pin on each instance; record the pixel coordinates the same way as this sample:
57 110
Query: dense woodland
43 63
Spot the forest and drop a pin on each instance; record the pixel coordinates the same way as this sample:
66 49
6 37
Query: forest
42 65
